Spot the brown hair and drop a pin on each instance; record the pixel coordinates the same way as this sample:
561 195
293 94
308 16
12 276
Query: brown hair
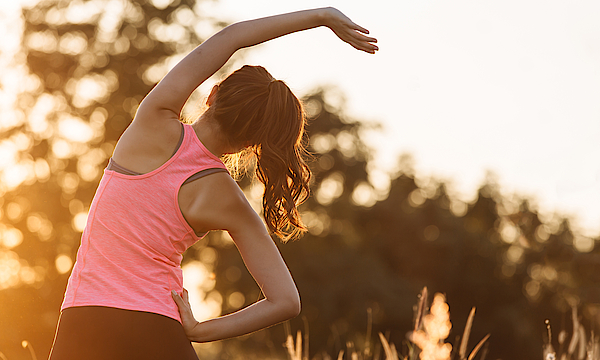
255 110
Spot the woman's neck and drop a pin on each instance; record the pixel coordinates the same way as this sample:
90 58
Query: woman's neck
210 135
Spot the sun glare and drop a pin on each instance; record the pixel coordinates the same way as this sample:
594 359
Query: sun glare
204 300
75 129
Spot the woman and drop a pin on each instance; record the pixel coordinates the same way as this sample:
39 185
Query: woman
165 187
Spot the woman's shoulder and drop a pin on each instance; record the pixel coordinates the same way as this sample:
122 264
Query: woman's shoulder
143 148
219 193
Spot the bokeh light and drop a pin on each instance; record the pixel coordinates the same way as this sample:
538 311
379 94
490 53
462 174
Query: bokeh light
63 263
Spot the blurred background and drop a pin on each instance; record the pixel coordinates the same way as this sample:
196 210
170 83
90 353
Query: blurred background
462 157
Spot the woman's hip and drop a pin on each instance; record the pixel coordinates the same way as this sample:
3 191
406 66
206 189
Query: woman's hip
98 332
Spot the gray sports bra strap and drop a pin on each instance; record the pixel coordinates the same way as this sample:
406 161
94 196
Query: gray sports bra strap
112 165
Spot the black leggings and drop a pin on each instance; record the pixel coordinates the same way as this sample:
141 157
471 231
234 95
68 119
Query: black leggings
105 333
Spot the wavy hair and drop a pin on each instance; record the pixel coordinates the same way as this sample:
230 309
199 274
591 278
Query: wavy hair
256 111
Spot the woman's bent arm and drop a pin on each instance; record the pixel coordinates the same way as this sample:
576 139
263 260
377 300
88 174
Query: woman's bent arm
230 211
174 89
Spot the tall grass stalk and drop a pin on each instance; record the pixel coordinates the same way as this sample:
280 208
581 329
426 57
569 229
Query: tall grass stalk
426 341
579 347
27 345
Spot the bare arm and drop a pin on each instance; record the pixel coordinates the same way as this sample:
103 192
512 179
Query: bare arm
230 211
174 89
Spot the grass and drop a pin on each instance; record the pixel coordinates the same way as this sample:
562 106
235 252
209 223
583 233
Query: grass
427 340
579 347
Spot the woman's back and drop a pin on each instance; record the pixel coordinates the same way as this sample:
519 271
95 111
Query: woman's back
135 236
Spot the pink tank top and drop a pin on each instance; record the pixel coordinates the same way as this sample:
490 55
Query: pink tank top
133 243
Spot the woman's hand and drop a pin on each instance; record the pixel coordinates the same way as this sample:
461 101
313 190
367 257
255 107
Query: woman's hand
185 311
348 31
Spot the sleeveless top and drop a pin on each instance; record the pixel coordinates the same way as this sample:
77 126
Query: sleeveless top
133 243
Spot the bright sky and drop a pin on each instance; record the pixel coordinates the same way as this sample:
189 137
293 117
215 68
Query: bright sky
466 87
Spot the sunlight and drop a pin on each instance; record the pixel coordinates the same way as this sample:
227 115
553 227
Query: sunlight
236 300
41 169
63 263
416 198
345 144
73 43
92 88
322 143
88 165
27 275
9 154
583 244
9 269
38 117
80 12
318 224
34 223
165 32
68 181
61 148
112 17
79 221
14 211
205 302
364 195
437 328
331 188
514 254
12 237
161 4
542 233
45 41
185 16
381 182
15 175
75 129
508 232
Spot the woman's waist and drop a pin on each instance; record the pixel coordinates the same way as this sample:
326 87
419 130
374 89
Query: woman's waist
141 290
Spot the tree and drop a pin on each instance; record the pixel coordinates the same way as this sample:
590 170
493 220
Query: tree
371 249
86 66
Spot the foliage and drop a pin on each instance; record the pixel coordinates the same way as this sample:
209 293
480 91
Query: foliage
372 247
374 238
85 66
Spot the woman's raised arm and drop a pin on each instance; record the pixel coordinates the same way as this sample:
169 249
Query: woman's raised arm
173 90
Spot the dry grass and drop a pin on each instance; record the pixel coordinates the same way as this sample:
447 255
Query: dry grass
427 340
579 347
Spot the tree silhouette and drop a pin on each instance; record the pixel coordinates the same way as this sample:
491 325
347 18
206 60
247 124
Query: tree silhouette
88 65
368 250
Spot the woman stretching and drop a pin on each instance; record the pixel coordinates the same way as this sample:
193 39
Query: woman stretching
165 187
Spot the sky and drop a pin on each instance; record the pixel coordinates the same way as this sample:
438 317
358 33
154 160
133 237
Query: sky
466 87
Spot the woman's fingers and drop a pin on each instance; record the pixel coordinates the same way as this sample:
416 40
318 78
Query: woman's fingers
178 299
357 27
364 37
359 41
186 296
185 311
350 32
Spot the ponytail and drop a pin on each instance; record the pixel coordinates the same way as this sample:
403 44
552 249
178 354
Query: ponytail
253 108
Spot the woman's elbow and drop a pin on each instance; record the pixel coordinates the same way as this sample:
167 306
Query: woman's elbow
295 308
291 307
